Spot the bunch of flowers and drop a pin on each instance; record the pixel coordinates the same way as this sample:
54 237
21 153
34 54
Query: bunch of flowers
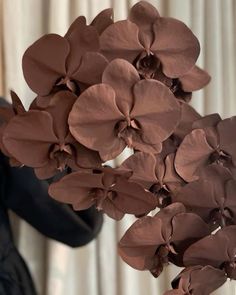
110 85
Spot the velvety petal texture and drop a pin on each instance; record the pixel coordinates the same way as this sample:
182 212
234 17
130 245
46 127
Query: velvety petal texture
121 40
124 111
7 112
111 85
217 250
226 130
65 62
48 55
41 139
210 197
152 42
212 142
155 173
109 190
195 79
175 46
188 116
143 14
153 241
103 20
198 280
193 153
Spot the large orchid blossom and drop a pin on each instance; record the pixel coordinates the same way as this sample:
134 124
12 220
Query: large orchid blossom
151 242
151 42
72 62
218 250
155 173
211 141
197 280
211 197
109 190
41 139
124 111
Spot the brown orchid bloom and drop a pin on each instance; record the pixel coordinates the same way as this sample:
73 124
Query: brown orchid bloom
155 173
193 80
211 141
41 139
217 250
151 242
70 62
108 189
6 114
124 111
152 43
103 20
182 87
212 196
197 280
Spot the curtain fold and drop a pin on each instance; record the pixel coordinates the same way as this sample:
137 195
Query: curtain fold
96 269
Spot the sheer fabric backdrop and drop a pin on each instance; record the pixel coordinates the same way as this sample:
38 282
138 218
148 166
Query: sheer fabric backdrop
96 268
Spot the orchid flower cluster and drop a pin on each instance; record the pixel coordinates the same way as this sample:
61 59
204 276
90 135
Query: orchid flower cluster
110 85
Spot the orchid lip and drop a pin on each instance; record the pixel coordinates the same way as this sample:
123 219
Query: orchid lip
100 195
162 193
220 157
222 216
68 82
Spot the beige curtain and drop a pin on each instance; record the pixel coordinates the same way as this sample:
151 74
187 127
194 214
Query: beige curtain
96 268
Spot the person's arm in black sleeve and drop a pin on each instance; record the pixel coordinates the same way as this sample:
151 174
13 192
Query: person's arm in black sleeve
27 196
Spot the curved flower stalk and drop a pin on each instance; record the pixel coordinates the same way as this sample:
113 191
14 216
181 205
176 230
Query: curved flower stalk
218 250
41 139
124 111
151 242
108 189
211 141
71 62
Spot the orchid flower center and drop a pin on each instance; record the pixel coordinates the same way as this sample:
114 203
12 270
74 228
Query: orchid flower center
149 61
100 195
68 83
221 158
175 85
159 260
222 217
147 64
162 193
126 129
60 153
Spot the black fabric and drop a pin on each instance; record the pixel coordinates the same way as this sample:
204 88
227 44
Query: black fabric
27 196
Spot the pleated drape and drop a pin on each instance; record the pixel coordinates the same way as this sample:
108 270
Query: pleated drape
96 268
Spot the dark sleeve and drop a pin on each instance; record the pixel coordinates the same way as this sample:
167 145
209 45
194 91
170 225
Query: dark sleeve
28 198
